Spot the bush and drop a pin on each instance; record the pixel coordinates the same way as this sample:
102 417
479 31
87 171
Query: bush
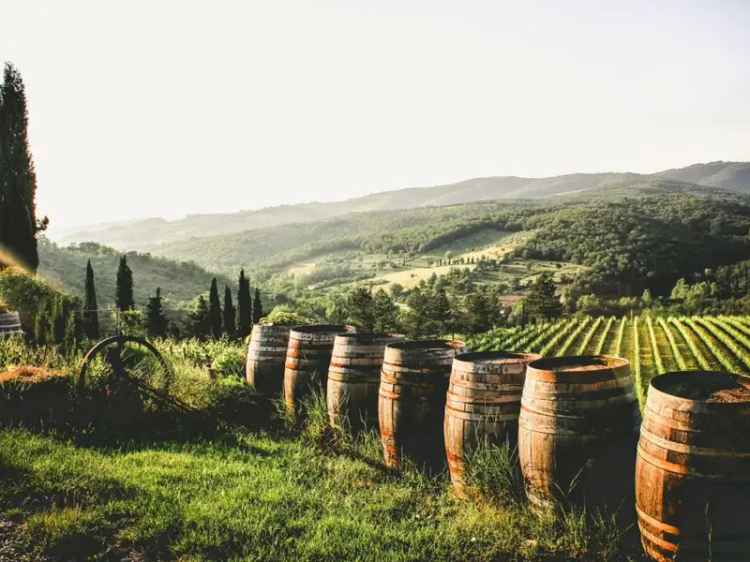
230 363
233 403
35 396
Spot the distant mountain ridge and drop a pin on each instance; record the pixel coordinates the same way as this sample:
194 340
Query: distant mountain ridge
147 234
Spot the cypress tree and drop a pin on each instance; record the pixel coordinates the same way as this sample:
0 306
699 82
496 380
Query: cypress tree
257 307
124 291
90 312
244 305
156 321
230 328
198 319
214 310
18 223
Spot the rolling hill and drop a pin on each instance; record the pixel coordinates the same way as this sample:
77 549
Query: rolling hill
150 233
180 282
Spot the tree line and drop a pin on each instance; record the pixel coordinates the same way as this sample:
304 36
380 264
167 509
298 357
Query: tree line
209 318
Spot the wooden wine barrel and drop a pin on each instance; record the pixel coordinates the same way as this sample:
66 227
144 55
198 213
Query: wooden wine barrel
307 358
482 405
411 400
266 356
354 379
693 468
10 324
577 432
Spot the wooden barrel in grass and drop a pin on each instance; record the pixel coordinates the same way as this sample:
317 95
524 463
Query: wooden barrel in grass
354 379
10 324
577 433
307 359
693 468
266 356
411 401
482 405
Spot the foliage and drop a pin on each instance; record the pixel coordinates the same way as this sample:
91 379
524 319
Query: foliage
124 290
244 306
230 363
229 314
215 322
34 396
48 315
542 302
90 307
156 321
18 222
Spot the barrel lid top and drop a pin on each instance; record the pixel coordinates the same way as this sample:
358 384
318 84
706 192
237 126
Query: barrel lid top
321 328
495 356
427 344
704 386
583 364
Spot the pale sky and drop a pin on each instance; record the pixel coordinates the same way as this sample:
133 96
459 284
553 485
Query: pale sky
164 108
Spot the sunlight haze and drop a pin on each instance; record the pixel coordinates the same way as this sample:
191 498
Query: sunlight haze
143 109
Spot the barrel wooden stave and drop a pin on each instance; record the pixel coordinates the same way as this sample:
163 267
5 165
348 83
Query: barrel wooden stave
482 406
693 474
307 359
577 432
411 401
266 357
354 379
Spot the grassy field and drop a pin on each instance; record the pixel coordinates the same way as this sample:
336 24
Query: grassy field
653 345
168 490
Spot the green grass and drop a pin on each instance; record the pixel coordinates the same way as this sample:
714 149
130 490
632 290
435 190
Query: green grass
263 497
282 492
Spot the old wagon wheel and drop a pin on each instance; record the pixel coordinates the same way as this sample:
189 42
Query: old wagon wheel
130 369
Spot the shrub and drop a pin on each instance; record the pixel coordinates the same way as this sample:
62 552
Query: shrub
35 396
230 363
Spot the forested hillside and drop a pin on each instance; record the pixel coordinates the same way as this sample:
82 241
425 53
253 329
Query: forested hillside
148 233
629 244
179 281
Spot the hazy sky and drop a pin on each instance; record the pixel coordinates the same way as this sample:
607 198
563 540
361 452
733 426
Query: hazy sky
159 108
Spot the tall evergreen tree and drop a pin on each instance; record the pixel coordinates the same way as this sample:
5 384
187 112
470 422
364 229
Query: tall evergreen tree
18 222
244 306
257 307
124 290
214 310
90 308
156 320
542 301
230 327
385 311
198 322
360 308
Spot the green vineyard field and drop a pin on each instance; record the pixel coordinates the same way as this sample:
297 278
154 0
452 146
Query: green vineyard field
652 344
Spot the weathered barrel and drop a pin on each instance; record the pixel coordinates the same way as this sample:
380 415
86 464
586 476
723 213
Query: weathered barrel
10 324
482 405
266 356
354 379
577 432
411 400
307 358
693 468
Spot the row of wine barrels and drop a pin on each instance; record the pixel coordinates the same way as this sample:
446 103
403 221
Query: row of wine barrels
307 360
577 432
266 357
354 379
10 324
482 405
411 400
693 468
